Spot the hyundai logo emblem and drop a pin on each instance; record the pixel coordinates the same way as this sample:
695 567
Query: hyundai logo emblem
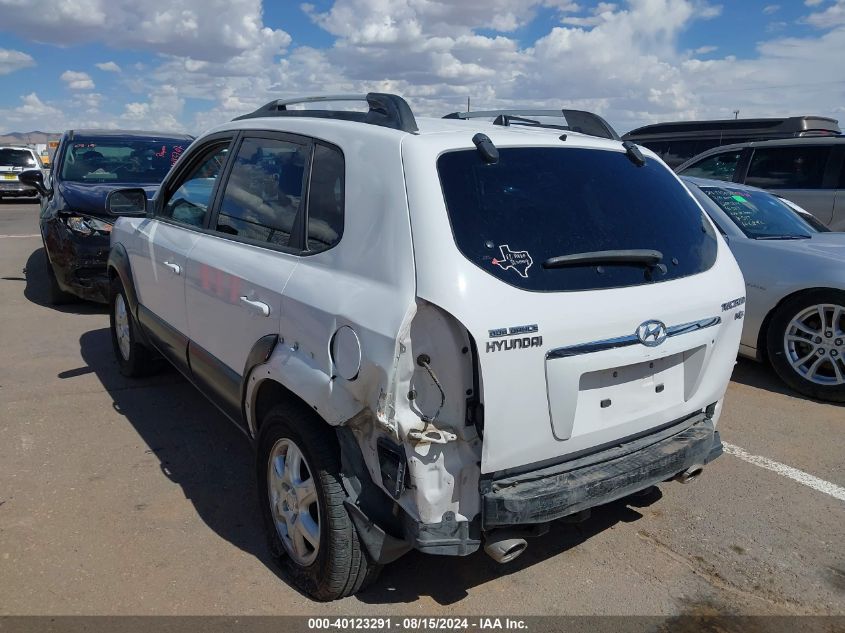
652 333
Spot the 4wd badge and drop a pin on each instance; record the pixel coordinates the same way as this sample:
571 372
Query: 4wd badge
520 261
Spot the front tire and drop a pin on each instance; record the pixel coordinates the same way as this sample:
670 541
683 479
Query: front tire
308 527
134 359
806 344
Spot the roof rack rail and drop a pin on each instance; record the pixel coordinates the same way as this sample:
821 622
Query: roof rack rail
386 110
576 120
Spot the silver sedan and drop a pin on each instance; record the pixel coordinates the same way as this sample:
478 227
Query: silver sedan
795 284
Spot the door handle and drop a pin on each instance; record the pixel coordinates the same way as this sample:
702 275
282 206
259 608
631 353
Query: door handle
176 268
259 306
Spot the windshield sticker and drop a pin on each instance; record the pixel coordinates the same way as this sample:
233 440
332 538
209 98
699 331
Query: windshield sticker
520 261
175 154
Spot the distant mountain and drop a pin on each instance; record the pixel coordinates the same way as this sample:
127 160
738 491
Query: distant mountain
23 138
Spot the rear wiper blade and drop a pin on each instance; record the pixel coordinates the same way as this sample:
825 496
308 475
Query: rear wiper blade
636 257
783 237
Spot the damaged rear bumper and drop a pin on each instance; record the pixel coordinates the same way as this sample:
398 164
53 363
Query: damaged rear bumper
557 491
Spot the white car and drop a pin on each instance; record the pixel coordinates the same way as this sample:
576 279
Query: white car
794 270
13 161
438 334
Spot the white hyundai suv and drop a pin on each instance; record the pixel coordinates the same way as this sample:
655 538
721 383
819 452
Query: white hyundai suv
439 334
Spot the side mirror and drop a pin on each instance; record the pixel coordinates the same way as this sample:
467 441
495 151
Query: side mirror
127 202
34 178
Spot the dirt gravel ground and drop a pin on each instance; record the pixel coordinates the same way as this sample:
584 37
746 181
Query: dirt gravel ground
137 497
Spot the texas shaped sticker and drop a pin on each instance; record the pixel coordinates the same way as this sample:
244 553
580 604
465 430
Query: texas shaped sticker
520 261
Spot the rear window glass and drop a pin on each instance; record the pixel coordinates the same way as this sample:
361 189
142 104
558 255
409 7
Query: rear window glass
788 167
538 203
17 158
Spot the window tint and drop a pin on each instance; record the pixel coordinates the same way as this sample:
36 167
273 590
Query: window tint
262 196
788 167
189 203
325 199
658 147
538 203
17 158
718 167
681 151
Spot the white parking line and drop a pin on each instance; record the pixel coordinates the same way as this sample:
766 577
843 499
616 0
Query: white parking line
32 235
837 492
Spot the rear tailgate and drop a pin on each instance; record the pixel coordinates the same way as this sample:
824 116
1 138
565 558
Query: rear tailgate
560 372
591 382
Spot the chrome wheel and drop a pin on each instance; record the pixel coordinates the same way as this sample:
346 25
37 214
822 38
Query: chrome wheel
814 344
293 501
121 327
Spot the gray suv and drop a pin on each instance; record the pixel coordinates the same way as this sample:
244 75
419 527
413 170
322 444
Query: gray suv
808 171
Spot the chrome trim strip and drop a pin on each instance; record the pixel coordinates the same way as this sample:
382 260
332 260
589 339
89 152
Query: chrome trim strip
686 328
625 341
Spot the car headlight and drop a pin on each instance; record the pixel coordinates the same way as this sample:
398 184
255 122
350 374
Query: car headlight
88 226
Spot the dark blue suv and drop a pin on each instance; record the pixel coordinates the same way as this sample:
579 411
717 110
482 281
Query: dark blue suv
75 224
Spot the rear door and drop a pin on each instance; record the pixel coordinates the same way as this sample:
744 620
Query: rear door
797 172
238 270
159 248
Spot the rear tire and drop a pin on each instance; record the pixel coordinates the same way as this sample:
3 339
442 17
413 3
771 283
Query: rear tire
55 295
806 344
297 454
135 360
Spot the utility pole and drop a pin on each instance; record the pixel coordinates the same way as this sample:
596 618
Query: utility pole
467 104
736 114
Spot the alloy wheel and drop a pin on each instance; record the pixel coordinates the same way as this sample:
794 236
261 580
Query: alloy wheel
814 343
293 501
121 327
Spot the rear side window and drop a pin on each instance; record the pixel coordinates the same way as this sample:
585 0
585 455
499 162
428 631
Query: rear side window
718 167
17 158
325 199
508 218
788 167
264 191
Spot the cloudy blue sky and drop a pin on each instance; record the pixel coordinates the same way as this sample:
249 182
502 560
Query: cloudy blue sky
188 64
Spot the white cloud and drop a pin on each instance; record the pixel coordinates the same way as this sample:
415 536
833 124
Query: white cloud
769 9
31 114
813 3
162 111
202 29
624 61
109 67
10 61
831 17
77 80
